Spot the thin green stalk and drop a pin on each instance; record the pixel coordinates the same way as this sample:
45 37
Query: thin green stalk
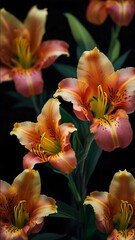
114 37
35 105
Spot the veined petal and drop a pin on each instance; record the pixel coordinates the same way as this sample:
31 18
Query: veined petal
11 28
29 160
111 127
77 92
125 96
123 182
28 82
28 186
5 74
121 12
44 207
65 131
8 231
99 202
35 23
25 132
64 161
95 69
49 51
48 119
96 12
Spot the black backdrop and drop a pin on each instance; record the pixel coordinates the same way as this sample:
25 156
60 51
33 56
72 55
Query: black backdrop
10 149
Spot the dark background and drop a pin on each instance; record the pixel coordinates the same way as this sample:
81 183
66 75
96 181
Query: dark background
10 149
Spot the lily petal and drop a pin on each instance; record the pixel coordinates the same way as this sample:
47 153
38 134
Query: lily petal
122 235
96 12
49 51
100 204
28 82
35 23
121 13
112 130
5 74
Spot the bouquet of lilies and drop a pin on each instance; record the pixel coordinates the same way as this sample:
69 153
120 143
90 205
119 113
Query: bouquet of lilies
70 143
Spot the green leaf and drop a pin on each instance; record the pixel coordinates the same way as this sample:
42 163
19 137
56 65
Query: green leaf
65 70
48 236
66 211
115 51
81 35
91 161
120 61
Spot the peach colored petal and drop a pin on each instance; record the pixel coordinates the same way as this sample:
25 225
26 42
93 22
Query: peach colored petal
126 89
122 187
29 160
96 12
35 23
26 133
77 92
44 207
48 119
49 51
11 28
64 161
28 82
5 74
99 202
111 127
95 69
28 186
64 132
121 13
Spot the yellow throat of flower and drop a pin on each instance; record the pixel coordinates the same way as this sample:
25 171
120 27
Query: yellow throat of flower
24 58
48 146
21 216
99 103
123 218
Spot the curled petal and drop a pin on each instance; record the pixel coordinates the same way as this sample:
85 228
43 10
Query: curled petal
49 51
35 23
25 132
114 128
29 160
64 161
77 92
121 12
5 74
99 202
126 89
28 82
96 12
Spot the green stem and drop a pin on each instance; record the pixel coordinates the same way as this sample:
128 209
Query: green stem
73 188
35 105
114 36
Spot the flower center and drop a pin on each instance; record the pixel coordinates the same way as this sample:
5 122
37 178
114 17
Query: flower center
47 146
123 218
21 216
23 57
99 103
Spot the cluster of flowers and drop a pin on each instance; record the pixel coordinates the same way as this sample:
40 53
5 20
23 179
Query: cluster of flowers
101 97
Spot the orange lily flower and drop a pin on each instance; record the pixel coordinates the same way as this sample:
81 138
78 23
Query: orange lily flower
102 96
22 208
115 210
47 140
22 54
121 12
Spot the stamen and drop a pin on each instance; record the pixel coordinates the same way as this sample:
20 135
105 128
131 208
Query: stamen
123 218
48 146
99 103
21 215
24 58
